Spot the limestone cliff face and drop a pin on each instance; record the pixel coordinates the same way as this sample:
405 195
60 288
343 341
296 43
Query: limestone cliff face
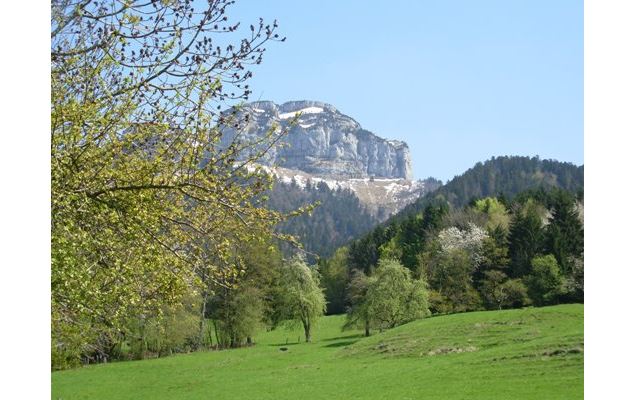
325 142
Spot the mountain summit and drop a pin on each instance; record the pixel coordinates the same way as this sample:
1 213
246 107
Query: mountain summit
325 142
323 145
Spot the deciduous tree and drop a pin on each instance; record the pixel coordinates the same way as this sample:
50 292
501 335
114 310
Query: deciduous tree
545 282
393 297
145 204
301 297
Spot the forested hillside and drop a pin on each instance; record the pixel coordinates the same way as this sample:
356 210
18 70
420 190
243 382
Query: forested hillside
338 217
493 253
503 176
341 217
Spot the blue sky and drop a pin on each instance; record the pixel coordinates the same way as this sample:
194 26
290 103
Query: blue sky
459 80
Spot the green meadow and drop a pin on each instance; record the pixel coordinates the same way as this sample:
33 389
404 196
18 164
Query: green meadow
531 353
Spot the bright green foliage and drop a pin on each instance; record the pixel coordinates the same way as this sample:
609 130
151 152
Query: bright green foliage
393 297
529 354
455 251
545 282
496 212
515 219
146 207
391 249
301 297
238 311
237 314
358 315
175 330
449 274
334 274
500 292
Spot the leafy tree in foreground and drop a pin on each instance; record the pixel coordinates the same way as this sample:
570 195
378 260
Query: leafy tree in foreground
357 315
393 297
301 297
237 312
144 202
175 329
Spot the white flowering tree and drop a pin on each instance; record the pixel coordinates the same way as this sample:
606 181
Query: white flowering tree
469 240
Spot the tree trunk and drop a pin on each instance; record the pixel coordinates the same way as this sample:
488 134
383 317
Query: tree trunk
307 331
216 333
366 328
202 322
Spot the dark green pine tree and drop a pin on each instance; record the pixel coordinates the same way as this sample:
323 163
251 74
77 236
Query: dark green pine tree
565 234
364 252
526 238
495 253
417 231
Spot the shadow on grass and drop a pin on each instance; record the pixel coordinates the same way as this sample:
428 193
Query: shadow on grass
352 336
341 344
294 343
355 336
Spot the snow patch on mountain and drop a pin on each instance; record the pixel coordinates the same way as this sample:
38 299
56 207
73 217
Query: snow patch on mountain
381 196
323 142
303 111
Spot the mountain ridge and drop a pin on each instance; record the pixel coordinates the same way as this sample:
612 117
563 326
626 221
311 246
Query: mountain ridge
323 141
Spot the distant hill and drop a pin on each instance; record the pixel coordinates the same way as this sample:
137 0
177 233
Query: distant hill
342 216
502 176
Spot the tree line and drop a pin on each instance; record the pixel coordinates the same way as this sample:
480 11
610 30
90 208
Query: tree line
493 253
505 176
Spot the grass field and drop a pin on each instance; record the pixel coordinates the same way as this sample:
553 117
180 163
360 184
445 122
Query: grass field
533 353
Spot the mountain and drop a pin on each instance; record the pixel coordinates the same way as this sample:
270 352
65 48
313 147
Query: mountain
324 145
359 178
324 142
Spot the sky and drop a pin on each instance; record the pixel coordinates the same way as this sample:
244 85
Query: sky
459 80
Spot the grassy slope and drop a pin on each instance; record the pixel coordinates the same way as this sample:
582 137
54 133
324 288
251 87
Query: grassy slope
534 353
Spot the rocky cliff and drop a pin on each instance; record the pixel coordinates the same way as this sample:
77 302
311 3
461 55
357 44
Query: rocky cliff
324 142
322 145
